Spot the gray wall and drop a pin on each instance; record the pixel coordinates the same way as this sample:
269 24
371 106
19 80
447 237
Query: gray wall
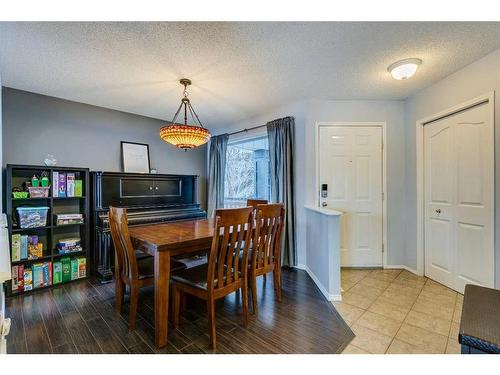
476 79
82 135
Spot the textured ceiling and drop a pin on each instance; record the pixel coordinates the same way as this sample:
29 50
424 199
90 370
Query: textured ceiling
239 69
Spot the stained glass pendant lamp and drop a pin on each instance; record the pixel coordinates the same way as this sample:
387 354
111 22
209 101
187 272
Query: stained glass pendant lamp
183 135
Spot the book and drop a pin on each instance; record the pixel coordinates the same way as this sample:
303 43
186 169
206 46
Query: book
56 272
78 188
66 269
74 269
35 248
55 184
24 247
68 245
47 273
14 283
16 247
82 267
70 184
37 274
61 190
20 277
64 219
28 279
69 216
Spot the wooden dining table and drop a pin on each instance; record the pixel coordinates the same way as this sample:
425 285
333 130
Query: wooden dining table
163 241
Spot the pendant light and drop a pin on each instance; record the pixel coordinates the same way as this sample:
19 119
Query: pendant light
183 135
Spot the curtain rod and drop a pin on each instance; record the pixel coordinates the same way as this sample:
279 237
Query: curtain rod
247 130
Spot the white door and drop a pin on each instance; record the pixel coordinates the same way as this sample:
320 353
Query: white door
458 173
350 163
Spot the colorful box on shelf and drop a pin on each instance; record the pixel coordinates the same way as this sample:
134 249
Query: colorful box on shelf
66 185
26 247
69 245
65 219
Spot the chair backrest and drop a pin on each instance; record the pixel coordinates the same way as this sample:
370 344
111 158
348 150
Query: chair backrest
124 249
267 236
232 234
255 202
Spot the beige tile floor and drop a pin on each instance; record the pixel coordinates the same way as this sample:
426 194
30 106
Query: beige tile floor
396 311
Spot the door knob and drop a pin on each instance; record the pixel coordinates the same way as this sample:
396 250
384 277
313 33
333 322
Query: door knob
438 211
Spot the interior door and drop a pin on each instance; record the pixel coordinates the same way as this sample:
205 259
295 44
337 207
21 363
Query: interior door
350 164
458 173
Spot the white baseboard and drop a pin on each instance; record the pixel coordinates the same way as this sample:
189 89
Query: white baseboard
401 267
328 296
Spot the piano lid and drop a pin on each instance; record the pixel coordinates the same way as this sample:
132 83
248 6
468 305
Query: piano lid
143 191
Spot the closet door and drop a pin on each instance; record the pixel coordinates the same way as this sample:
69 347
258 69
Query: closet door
459 243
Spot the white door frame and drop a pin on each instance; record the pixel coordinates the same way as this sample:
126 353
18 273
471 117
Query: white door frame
376 124
486 98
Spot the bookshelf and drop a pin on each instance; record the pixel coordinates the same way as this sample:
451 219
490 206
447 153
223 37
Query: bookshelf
51 233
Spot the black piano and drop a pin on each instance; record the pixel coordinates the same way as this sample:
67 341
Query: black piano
148 198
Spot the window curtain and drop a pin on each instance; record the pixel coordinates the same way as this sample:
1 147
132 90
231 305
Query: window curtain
281 136
216 172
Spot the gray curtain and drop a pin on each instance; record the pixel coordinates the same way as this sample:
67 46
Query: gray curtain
216 172
281 136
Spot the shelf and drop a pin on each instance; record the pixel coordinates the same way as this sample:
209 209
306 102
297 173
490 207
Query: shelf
41 259
69 225
30 199
66 198
50 233
18 230
13 293
81 252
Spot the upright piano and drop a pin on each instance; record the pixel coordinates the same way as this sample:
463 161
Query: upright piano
148 198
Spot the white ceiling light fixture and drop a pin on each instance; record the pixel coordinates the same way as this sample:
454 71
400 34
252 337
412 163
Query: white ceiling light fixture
404 69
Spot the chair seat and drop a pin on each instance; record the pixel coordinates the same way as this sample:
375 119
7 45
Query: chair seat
146 266
139 254
195 276
193 261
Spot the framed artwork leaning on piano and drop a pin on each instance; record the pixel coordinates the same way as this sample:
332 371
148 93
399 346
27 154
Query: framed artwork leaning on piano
135 157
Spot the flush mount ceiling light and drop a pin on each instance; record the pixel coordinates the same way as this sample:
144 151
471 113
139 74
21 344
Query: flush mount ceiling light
404 69
183 135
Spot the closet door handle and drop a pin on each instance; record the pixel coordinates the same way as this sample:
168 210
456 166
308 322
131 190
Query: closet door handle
438 211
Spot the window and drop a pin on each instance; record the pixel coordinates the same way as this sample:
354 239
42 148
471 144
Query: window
247 172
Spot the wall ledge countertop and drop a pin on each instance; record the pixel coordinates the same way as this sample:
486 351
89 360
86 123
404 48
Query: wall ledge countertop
323 211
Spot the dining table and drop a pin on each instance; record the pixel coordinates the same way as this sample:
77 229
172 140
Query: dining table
164 241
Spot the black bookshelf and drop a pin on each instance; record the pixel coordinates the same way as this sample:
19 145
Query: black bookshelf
15 175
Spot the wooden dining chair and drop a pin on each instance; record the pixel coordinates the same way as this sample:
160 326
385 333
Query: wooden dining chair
255 202
135 268
224 273
265 255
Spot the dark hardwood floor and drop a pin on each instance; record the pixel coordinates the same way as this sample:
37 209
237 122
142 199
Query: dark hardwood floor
79 318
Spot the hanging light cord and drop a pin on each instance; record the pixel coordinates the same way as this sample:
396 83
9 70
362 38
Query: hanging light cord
187 106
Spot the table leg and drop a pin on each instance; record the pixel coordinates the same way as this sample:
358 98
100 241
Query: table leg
162 280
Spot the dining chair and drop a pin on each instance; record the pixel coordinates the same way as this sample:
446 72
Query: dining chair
255 202
265 256
134 267
224 273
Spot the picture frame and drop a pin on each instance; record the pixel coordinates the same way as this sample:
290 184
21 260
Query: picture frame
135 157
